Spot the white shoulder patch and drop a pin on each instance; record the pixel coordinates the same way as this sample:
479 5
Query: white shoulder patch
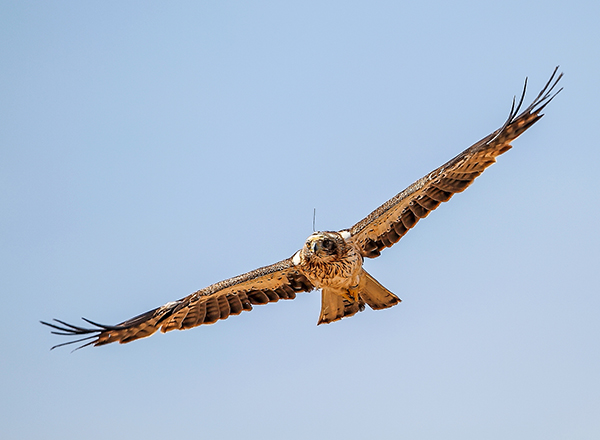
345 234
169 305
296 258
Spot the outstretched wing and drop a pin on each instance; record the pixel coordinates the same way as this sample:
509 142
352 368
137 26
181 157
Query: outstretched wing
230 297
388 223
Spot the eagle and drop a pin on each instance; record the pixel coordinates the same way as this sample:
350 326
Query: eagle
331 261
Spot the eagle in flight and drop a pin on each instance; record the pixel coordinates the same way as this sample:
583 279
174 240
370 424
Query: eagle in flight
330 261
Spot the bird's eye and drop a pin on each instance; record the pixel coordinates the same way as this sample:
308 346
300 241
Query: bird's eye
327 244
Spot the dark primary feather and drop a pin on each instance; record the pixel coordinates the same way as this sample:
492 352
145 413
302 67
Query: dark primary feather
392 220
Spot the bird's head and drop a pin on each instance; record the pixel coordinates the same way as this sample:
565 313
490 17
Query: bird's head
325 245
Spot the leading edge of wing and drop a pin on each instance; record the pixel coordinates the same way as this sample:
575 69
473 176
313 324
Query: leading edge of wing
206 306
392 220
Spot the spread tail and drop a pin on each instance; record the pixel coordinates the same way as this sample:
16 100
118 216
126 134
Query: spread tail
337 304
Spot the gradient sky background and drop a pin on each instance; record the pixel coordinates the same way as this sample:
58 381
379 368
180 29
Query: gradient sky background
149 149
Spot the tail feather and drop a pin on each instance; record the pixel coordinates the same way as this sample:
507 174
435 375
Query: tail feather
336 304
374 294
335 307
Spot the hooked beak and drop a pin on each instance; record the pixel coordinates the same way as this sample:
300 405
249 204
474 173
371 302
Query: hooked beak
313 242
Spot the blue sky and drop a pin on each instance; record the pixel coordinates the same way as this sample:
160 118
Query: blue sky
148 150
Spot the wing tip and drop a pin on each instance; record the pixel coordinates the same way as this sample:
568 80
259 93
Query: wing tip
65 329
526 118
